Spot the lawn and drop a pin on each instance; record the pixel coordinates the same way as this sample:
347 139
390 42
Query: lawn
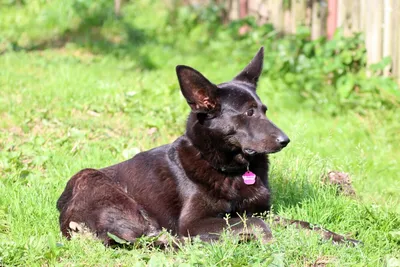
96 97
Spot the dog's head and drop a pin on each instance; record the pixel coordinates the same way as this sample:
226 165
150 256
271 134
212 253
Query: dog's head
231 114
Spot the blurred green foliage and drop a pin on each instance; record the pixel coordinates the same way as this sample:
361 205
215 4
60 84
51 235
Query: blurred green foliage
329 75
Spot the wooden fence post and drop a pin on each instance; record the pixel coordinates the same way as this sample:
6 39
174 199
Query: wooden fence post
395 40
117 7
387 31
287 20
243 9
348 12
298 9
277 14
373 31
318 18
332 18
234 9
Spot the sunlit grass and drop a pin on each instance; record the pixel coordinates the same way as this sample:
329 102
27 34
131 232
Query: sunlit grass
64 109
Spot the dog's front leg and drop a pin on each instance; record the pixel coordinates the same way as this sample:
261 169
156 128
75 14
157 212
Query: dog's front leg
209 229
325 233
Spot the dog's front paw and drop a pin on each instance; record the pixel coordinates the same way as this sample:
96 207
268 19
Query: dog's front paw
353 242
256 233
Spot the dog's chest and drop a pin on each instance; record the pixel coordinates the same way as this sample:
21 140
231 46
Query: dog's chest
236 196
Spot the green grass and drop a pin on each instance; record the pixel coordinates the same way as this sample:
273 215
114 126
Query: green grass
89 105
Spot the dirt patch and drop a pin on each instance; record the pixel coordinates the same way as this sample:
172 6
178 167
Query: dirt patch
341 180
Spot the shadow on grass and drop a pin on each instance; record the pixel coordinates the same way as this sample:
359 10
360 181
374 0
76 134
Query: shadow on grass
92 35
290 193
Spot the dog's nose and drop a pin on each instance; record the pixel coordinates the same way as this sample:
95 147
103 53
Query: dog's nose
283 140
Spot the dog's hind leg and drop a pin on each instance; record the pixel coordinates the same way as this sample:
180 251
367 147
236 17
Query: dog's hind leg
93 199
125 224
326 234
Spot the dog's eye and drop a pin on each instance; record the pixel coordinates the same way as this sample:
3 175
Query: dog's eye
250 112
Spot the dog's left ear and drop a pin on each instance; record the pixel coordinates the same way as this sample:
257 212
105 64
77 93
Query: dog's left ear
199 92
252 71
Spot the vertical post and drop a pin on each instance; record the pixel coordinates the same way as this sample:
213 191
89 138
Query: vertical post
253 9
243 8
308 19
356 16
243 12
264 12
341 12
374 30
287 19
396 40
332 18
346 11
363 16
277 14
387 32
117 7
234 9
319 18
299 9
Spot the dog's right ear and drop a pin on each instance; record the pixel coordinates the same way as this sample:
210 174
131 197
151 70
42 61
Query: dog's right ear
199 92
253 70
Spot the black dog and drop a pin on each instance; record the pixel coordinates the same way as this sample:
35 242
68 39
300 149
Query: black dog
189 186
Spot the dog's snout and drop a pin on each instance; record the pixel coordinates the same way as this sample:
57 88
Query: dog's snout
283 140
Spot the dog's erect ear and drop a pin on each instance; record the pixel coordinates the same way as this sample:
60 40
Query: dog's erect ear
252 71
199 92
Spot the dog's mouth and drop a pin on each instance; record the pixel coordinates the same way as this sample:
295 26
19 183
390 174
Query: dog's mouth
249 151
252 152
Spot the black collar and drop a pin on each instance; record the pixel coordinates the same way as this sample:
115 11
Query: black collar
231 169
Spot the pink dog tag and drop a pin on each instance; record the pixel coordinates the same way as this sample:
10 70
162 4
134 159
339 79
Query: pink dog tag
249 178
